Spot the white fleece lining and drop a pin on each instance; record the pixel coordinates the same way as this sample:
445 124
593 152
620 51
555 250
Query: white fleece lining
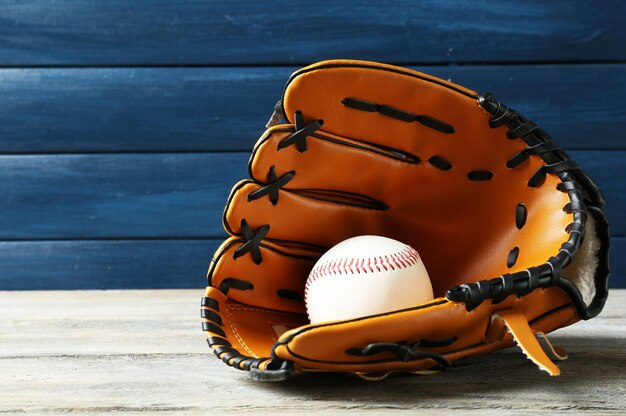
582 269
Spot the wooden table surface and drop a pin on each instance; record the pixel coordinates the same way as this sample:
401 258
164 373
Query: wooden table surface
143 351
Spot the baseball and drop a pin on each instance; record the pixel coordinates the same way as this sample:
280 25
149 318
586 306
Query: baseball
365 275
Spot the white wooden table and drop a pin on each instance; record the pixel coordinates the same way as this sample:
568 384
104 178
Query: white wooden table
143 351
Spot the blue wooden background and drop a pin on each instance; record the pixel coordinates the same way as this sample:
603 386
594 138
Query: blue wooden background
123 124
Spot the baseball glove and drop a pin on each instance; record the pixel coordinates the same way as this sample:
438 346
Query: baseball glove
511 230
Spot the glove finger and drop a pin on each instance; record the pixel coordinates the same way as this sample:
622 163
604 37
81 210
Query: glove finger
333 163
318 217
403 109
271 276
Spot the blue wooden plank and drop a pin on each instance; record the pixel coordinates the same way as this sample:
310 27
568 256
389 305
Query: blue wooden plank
202 109
110 196
138 109
168 195
618 262
607 170
31 265
149 32
41 265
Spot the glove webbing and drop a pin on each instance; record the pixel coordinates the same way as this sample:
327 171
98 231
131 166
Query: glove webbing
548 274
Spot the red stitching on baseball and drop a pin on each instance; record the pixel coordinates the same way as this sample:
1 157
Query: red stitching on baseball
407 257
402 259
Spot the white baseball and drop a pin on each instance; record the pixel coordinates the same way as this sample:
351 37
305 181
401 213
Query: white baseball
366 275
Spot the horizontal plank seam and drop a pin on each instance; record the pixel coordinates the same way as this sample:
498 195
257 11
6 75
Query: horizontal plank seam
104 355
162 238
304 63
114 238
216 151
137 152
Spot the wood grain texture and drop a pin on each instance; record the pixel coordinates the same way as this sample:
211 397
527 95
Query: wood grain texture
145 32
139 264
104 264
168 195
159 103
143 351
205 109
128 195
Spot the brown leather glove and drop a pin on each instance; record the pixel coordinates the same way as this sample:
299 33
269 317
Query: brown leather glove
510 229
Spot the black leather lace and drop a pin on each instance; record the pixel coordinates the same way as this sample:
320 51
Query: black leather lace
403 351
274 183
253 239
302 131
504 115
